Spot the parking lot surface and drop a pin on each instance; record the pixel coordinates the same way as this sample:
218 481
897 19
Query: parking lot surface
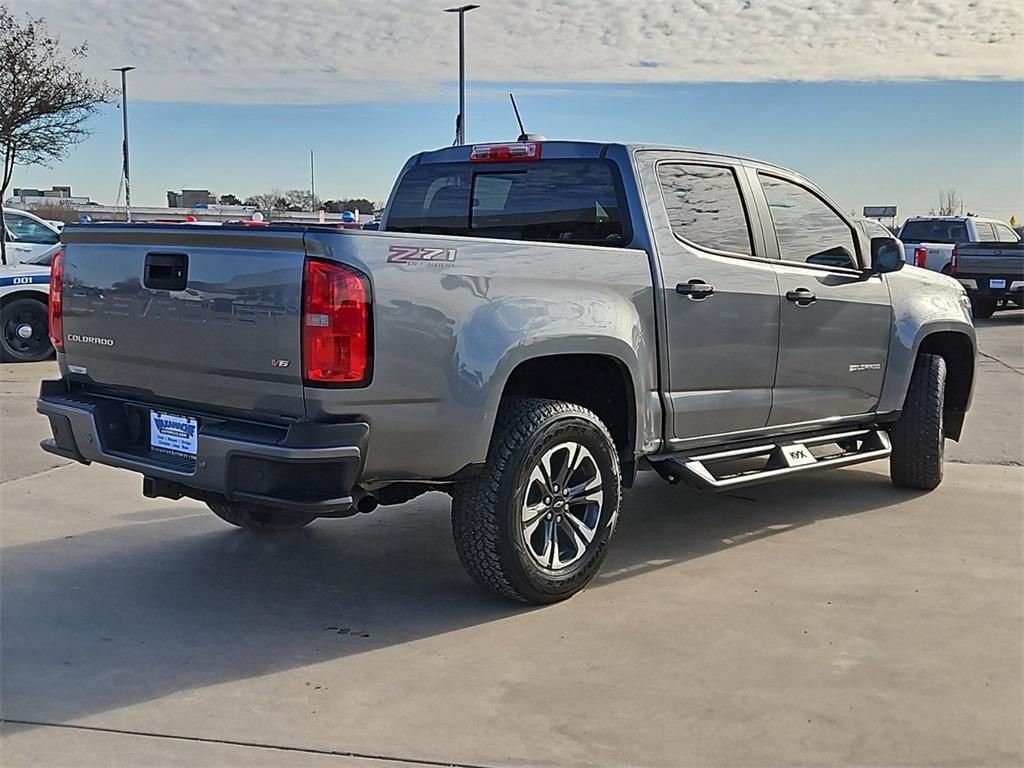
829 619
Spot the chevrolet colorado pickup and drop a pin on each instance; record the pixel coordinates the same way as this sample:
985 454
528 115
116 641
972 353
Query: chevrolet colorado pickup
534 323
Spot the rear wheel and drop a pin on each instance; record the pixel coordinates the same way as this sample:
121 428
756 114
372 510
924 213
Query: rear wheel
535 525
918 442
256 518
982 307
25 327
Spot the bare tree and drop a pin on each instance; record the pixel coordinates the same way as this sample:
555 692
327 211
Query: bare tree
44 100
290 200
950 203
266 201
301 200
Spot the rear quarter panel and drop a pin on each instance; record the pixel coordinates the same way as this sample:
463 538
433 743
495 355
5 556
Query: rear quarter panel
447 335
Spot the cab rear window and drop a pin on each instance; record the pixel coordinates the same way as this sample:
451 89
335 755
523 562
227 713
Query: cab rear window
937 231
570 201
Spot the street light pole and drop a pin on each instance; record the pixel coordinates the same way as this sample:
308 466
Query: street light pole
462 10
312 184
124 144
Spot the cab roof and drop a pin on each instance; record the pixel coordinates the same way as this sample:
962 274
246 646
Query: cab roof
579 149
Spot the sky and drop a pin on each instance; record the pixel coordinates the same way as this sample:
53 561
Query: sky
882 102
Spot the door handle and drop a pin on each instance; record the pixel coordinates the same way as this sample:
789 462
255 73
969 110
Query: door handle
802 297
695 290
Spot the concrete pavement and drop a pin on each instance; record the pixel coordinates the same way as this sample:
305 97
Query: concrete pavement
830 619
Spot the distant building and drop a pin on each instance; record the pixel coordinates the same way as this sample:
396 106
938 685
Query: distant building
190 198
36 198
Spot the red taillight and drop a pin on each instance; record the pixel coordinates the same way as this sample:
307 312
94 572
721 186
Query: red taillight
336 346
953 257
920 257
57 300
520 151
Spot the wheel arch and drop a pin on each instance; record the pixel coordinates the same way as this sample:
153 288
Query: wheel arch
957 349
41 296
600 382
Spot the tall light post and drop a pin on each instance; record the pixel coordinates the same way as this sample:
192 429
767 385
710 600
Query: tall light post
124 144
462 10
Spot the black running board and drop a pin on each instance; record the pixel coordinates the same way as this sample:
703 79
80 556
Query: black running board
717 471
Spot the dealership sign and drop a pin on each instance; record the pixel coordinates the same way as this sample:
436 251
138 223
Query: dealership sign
879 211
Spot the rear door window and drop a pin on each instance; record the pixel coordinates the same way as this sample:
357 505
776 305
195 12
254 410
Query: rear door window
1004 234
807 229
985 232
705 208
569 201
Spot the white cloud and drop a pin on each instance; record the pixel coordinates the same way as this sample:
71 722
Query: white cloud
319 51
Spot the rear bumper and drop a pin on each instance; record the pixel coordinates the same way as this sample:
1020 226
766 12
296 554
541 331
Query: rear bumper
307 467
981 285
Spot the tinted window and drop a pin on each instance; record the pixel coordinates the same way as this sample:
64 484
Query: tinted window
806 228
704 206
571 201
1004 234
25 230
934 231
985 232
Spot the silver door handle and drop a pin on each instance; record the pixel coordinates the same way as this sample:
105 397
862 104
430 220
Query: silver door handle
695 290
801 297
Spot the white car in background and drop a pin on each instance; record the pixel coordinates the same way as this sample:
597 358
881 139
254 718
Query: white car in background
27 236
24 310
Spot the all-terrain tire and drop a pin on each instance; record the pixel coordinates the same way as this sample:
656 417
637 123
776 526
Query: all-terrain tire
917 437
253 517
487 511
24 332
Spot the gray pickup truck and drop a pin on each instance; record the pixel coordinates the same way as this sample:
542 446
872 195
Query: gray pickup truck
534 324
992 272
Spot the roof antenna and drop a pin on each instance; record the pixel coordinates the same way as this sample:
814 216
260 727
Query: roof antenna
523 135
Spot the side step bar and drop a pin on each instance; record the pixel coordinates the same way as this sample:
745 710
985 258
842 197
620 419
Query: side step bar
759 463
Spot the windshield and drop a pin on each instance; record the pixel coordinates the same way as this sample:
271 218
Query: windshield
43 259
571 201
934 231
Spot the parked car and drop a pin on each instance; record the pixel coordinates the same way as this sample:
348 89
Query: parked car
534 324
27 236
928 241
992 273
24 291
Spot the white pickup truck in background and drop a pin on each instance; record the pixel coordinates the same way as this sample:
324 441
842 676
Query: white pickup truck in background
928 241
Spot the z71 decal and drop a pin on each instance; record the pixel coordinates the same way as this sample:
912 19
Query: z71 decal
408 254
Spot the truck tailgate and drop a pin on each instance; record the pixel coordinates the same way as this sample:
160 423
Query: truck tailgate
206 316
996 259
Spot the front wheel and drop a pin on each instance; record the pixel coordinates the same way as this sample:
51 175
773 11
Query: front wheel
535 525
253 517
26 335
917 437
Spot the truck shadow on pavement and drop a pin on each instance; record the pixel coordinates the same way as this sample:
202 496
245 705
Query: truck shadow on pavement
1005 317
174 600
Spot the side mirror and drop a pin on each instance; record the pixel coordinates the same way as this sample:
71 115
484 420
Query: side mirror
886 255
